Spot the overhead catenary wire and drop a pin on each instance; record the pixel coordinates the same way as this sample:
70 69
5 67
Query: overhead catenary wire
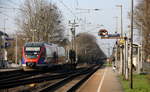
13 3
4 14
7 15
67 8
11 8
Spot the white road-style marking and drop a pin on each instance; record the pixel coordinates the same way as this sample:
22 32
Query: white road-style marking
101 82
87 81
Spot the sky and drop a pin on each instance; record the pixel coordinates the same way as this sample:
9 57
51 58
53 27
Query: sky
86 20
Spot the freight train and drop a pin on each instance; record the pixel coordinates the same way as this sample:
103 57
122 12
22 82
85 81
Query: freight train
40 55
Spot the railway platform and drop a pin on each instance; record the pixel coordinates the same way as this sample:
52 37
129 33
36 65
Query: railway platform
104 80
8 70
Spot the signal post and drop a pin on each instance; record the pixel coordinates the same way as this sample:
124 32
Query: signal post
73 45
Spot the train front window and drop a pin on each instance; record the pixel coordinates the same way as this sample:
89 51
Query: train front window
32 52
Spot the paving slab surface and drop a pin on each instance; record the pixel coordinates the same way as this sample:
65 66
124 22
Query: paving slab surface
104 80
7 70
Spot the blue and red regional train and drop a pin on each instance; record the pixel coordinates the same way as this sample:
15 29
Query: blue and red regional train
41 54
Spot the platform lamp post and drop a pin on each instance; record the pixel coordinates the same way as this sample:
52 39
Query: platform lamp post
120 6
141 66
131 67
121 49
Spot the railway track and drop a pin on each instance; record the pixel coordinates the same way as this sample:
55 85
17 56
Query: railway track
47 83
79 83
19 76
10 74
14 82
83 75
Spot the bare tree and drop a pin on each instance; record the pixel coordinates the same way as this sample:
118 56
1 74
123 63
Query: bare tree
41 19
88 49
142 21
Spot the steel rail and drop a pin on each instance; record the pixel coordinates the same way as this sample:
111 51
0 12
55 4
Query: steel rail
78 84
11 84
59 84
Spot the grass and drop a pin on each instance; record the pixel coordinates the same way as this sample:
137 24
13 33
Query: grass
107 64
141 83
148 76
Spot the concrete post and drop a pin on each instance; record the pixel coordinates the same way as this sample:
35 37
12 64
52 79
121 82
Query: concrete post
116 61
16 59
121 62
126 60
138 60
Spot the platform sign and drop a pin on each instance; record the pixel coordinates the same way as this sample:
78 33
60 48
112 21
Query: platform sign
112 36
121 41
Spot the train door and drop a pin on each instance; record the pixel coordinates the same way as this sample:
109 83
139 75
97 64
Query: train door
43 55
55 55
